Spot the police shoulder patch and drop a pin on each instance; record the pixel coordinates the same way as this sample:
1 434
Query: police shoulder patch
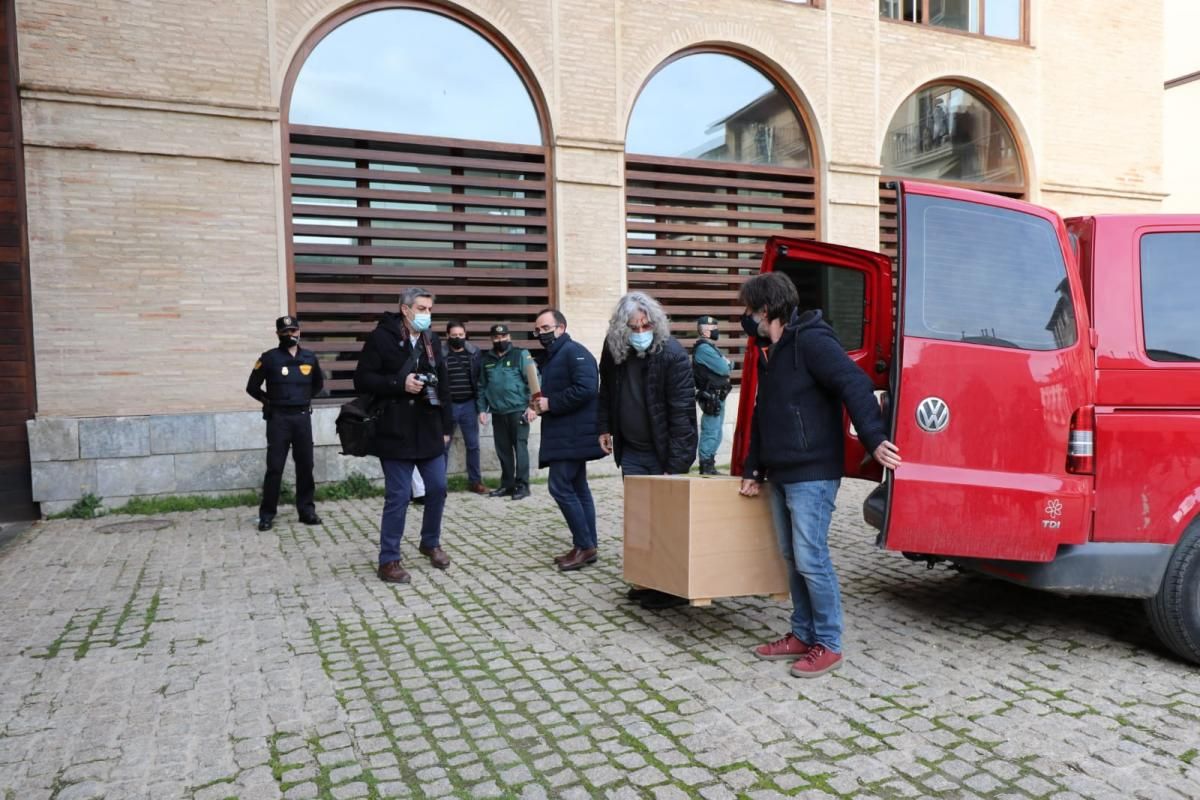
258 364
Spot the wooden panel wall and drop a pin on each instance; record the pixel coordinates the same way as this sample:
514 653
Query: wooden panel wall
695 231
374 213
17 399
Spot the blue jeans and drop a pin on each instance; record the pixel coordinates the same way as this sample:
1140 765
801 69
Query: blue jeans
397 482
640 462
569 488
465 415
711 428
802 514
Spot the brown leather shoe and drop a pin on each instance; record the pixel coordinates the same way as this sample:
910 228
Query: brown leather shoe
567 556
479 488
581 558
436 555
393 572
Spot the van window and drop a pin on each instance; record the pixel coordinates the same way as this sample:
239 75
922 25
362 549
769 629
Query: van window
839 293
1170 286
984 275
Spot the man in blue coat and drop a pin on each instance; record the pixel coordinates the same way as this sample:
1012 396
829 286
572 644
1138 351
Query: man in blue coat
567 406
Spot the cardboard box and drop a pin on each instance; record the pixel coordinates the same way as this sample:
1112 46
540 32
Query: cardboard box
696 537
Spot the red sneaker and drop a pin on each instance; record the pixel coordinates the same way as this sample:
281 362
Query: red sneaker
788 647
817 661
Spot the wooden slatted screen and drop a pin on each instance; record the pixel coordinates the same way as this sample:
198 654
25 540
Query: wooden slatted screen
16 327
695 231
375 213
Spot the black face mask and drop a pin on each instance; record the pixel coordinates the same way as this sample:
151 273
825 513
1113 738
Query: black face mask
749 325
457 342
547 339
289 341
714 335
501 347
751 329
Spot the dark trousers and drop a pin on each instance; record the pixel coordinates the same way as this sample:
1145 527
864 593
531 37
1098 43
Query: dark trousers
397 487
465 417
511 434
569 488
640 462
289 430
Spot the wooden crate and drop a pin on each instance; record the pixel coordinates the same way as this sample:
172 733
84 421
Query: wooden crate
696 537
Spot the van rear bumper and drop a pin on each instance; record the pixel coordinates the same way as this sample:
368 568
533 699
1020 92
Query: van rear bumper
1116 569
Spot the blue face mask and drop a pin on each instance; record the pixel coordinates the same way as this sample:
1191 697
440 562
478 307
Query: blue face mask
642 340
420 322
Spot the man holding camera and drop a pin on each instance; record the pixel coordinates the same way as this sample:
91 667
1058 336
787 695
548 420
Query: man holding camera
710 369
401 361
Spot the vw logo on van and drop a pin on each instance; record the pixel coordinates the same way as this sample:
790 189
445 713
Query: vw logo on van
933 415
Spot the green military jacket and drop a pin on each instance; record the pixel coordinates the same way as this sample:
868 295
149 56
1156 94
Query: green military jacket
502 385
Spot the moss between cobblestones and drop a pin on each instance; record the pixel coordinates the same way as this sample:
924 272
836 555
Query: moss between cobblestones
1189 756
148 617
216 782
355 487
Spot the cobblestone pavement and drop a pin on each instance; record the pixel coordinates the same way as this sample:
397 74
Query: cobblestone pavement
190 656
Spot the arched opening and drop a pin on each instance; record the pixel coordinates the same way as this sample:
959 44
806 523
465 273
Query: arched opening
948 132
415 155
718 157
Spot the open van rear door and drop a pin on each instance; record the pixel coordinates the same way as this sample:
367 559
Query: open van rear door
994 370
853 289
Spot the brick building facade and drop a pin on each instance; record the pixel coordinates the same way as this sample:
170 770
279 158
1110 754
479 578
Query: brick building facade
157 213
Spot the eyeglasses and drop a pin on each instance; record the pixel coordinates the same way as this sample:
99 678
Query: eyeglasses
649 326
544 328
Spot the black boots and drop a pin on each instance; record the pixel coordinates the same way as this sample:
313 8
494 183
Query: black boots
708 466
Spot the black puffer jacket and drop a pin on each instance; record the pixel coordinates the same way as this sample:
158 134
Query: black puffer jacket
410 428
670 403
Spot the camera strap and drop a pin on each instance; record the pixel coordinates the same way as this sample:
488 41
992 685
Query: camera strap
428 350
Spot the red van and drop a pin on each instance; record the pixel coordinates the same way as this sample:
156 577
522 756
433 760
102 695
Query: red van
1042 379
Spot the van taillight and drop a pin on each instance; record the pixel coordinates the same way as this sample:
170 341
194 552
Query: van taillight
1081 447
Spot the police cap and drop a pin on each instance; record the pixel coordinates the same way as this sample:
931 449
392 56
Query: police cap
706 320
499 329
285 323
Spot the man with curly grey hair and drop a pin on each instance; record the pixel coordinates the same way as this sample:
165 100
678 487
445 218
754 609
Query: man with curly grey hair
646 415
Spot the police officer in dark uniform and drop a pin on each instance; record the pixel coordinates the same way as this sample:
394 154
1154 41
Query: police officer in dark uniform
293 377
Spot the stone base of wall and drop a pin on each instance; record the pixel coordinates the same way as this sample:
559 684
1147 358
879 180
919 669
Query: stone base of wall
118 458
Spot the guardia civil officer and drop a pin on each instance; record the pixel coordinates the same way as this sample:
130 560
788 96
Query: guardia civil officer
710 370
293 378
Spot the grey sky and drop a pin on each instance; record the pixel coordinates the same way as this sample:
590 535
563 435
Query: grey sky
406 71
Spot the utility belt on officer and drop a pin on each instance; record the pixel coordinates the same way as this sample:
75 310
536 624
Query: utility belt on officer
290 409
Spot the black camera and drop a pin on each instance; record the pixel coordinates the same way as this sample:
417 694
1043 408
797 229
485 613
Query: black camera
430 381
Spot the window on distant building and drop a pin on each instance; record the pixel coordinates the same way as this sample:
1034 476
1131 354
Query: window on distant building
948 133
999 19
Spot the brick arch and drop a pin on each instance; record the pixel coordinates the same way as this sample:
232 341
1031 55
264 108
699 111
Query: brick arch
888 211
758 48
367 213
989 90
296 26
